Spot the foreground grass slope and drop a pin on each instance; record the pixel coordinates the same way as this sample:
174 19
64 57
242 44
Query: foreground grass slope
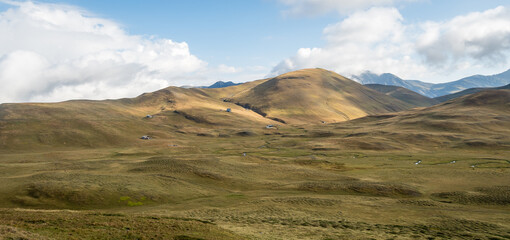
40 224
294 187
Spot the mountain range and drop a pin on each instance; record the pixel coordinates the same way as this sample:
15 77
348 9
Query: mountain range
404 94
303 97
309 96
221 84
436 90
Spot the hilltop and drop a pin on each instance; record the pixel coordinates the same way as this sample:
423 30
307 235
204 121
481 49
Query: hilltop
315 96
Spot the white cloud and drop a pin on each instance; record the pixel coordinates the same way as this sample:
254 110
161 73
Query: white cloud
374 39
236 74
51 52
227 69
483 36
379 40
318 7
368 27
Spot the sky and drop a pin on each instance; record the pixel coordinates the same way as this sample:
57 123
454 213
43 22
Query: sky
55 50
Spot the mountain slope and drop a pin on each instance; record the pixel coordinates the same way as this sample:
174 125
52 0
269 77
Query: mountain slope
307 96
466 92
476 120
436 90
122 122
404 94
315 95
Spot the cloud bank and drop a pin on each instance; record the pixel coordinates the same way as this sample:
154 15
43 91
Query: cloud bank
378 39
483 36
55 52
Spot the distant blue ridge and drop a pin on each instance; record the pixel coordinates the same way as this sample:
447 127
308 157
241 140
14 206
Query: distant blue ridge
436 90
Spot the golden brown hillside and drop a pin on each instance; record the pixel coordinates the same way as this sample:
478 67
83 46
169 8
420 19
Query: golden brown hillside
122 122
313 96
306 96
477 120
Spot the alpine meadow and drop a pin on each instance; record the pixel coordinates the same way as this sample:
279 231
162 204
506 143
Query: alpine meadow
107 133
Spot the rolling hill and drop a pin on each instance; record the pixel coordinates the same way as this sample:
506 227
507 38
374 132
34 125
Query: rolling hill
306 96
313 96
404 94
476 120
309 96
120 122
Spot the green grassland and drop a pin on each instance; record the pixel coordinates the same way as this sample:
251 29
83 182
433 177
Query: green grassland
290 185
